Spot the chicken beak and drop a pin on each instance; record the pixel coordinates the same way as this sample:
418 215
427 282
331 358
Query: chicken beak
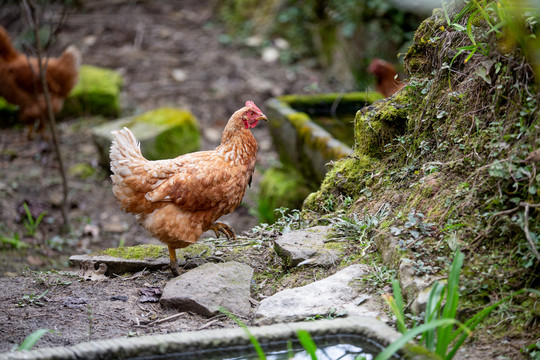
263 117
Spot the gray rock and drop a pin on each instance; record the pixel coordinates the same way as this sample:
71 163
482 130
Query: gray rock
306 247
335 294
412 286
207 288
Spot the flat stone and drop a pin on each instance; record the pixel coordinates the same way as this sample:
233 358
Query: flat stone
306 247
207 288
115 265
335 294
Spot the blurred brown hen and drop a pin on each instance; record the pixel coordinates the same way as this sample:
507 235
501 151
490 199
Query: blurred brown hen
178 199
387 80
20 83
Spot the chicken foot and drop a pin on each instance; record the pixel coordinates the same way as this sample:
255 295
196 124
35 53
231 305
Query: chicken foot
174 262
222 228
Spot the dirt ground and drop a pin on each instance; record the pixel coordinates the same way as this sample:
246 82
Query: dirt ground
147 42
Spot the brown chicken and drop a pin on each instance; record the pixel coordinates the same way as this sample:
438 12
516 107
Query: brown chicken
387 82
178 199
20 83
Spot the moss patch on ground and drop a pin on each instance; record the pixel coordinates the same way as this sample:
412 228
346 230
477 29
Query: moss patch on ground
139 252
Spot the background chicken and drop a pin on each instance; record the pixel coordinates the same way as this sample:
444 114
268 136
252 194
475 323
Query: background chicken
178 199
20 83
387 82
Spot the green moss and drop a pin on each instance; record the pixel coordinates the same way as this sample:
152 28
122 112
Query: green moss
345 179
300 120
280 188
82 170
180 136
8 113
96 93
195 250
379 124
139 252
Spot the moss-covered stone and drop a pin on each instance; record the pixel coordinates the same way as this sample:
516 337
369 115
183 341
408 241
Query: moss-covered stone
302 143
180 137
379 124
345 179
96 93
164 133
281 188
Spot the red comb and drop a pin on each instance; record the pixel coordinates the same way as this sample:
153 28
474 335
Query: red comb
252 105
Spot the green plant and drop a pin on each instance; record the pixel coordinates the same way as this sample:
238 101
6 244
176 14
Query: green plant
307 342
31 299
286 221
440 317
353 227
377 279
252 338
13 240
32 339
30 223
332 314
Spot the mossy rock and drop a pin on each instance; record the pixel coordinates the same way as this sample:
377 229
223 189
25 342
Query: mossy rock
164 133
8 113
302 143
347 178
379 124
97 93
281 188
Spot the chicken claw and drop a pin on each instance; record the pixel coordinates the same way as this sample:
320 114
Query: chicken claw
222 228
174 263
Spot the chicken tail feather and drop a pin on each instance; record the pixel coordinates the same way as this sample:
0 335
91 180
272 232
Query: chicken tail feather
127 166
125 149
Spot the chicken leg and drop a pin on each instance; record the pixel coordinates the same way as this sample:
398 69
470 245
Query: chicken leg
222 228
174 262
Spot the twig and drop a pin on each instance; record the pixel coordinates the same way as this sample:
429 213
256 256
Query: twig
212 322
526 230
34 21
235 245
172 317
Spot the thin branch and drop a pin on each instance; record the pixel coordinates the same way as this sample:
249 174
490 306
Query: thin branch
526 230
34 21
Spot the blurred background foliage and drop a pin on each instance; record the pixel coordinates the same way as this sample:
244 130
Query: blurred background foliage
342 35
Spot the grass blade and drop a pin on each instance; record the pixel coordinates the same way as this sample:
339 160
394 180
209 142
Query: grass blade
308 343
398 298
411 334
32 339
450 308
473 322
254 342
432 313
